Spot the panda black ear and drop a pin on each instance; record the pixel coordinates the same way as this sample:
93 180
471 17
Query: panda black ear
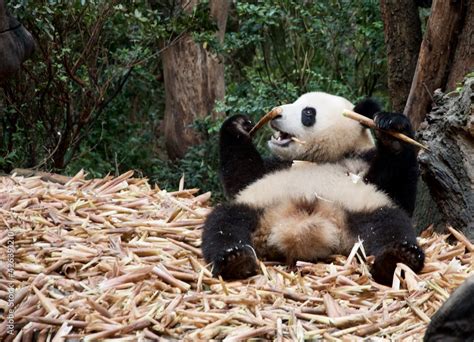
367 107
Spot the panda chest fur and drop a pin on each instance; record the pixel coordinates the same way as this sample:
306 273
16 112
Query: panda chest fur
304 209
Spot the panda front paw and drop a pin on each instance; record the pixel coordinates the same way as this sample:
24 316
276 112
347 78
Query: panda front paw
237 262
394 122
237 126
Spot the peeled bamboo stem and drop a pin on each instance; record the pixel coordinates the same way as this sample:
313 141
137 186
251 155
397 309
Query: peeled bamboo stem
266 118
371 124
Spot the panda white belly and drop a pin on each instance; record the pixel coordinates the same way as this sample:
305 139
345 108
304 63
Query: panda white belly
333 182
304 209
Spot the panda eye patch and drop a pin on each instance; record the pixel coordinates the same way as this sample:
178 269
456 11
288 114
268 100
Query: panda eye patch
308 116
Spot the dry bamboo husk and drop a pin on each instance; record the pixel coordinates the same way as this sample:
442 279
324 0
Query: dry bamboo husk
119 259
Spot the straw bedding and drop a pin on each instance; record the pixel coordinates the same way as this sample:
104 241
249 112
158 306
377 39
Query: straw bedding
117 259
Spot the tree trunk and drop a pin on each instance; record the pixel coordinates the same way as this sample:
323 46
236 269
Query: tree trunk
447 22
463 61
448 169
16 43
194 81
402 31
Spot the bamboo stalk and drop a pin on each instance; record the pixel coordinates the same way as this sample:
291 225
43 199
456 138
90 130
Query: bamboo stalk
46 302
460 237
298 141
266 118
64 330
371 124
130 277
99 308
56 321
163 273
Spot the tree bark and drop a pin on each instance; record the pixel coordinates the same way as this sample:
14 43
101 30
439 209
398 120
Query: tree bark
448 169
194 81
16 43
463 61
402 31
446 22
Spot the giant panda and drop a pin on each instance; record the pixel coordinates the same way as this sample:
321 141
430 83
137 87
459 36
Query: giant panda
345 187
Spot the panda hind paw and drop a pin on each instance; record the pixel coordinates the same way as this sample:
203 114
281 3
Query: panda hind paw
238 262
404 252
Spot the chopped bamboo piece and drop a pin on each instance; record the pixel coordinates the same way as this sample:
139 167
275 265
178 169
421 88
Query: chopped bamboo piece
460 236
163 273
46 302
64 330
138 273
298 140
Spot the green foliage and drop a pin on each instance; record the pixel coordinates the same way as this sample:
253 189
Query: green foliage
335 46
199 166
124 137
93 95
85 55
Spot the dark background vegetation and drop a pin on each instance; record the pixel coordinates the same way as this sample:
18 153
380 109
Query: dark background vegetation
92 97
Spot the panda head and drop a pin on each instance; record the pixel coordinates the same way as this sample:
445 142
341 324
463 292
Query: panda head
316 119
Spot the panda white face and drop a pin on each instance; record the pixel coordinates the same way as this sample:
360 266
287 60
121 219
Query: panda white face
316 119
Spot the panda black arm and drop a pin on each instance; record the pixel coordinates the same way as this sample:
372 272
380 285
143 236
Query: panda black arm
394 167
240 163
274 164
367 107
393 164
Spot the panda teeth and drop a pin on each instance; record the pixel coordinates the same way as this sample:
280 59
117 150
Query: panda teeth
281 138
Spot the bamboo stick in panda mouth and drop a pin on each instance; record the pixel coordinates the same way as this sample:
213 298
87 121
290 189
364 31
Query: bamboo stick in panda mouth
266 118
371 124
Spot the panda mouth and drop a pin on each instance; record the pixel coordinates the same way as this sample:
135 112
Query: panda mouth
281 138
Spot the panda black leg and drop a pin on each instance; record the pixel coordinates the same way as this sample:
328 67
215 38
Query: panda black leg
240 163
388 235
394 169
227 240
408 253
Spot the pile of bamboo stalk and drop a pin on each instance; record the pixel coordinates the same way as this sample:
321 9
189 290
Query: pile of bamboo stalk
118 259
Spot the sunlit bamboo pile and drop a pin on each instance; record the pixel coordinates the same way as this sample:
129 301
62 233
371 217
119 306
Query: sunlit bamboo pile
118 259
